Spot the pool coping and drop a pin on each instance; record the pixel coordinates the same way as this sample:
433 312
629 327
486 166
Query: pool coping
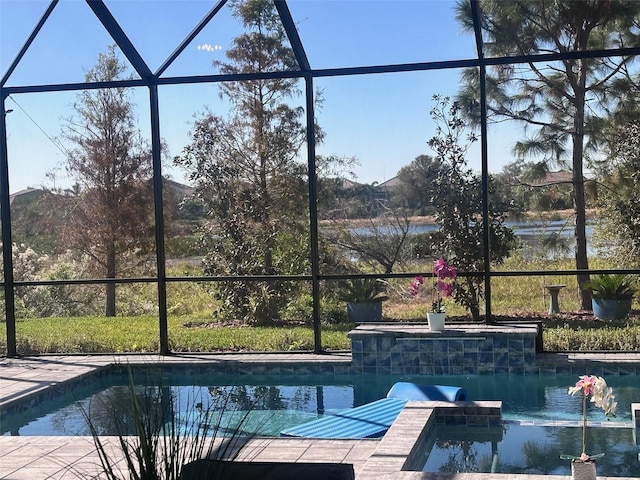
33 376
36 376
374 459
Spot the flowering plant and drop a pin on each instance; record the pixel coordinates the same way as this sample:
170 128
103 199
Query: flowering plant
602 397
441 287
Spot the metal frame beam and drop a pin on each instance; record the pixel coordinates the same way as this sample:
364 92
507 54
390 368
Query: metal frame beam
121 39
486 237
153 80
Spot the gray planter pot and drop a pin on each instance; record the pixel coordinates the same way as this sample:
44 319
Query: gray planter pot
610 309
363 312
583 470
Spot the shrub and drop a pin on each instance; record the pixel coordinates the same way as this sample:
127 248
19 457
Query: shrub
458 203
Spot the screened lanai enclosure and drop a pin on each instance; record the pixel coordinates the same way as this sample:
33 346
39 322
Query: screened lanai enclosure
220 164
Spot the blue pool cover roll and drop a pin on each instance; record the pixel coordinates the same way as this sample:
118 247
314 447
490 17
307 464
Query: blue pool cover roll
373 419
413 391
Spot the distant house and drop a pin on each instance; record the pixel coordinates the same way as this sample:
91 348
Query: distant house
554 191
556 178
345 183
180 190
389 185
374 191
25 196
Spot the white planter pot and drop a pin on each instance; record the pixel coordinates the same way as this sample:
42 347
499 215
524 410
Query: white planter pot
436 321
583 470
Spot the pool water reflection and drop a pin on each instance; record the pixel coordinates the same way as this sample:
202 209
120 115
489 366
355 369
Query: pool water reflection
303 397
518 449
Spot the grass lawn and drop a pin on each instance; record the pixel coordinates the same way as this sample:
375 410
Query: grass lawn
140 334
186 334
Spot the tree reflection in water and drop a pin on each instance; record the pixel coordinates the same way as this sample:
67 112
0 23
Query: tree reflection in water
526 449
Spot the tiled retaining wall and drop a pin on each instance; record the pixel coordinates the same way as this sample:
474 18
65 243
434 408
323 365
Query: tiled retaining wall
458 350
468 349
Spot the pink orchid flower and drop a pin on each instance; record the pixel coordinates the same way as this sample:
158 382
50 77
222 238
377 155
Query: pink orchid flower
601 396
415 285
442 271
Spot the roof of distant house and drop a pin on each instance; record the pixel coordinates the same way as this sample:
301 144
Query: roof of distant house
554 178
27 193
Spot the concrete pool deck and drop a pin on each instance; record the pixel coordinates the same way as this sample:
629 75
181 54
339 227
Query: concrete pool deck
35 458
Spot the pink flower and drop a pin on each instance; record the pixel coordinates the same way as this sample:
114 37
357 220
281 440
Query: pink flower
445 288
586 384
441 272
415 285
439 266
601 395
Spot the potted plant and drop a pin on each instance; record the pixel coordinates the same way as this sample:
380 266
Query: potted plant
443 274
364 297
612 295
583 467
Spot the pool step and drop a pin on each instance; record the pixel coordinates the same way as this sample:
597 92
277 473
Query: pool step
374 419
366 421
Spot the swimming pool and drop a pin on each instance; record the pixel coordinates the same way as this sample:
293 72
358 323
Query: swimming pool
297 399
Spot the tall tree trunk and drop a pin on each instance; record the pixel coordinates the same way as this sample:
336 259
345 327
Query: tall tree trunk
579 204
110 289
474 305
580 235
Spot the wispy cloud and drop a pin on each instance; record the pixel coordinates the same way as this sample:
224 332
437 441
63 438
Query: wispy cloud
209 48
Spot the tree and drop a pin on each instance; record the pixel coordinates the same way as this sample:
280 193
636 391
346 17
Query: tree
378 242
509 189
619 195
415 183
335 189
245 170
112 217
458 205
530 186
564 103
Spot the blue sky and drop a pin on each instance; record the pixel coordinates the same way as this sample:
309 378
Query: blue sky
381 120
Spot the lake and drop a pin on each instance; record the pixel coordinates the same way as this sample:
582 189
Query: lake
530 233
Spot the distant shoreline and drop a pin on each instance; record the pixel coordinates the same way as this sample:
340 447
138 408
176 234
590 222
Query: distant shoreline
430 219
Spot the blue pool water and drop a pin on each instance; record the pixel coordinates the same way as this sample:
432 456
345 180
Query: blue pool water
295 400
535 450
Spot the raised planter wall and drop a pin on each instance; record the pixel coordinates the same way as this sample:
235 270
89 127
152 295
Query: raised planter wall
458 350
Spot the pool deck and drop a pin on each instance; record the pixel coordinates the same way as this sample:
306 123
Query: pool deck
35 458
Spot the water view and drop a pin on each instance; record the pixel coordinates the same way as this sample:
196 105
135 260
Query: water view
533 236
